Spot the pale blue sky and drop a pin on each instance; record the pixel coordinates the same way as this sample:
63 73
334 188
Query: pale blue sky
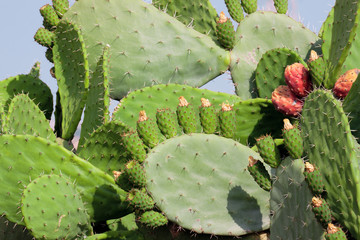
20 19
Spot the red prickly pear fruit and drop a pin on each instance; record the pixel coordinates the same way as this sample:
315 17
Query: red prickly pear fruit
297 78
345 82
285 101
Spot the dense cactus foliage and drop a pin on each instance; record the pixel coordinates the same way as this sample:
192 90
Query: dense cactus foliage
279 160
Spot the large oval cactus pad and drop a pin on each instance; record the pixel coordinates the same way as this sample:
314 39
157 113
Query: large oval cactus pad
147 46
25 157
258 33
200 182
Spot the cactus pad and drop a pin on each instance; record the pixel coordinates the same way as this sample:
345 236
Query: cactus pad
53 209
198 14
258 33
147 45
331 148
25 117
199 181
73 79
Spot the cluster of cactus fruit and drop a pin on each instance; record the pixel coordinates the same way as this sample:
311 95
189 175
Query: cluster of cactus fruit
174 161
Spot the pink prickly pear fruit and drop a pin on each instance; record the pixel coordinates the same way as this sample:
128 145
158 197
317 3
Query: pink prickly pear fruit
297 78
285 101
345 82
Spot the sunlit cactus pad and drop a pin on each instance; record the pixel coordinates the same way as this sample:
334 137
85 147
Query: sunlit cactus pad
258 33
147 46
200 182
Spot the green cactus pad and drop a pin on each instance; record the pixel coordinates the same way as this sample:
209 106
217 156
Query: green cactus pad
25 157
249 6
60 6
29 84
125 223
258 33
44 37
235 10
97 102
49 15
73 79
268 151
25 117
351 106
317 71
53 209
225 33
198 14
104 148
199 181
140 200
292 218
330 146
339 37
281 6
269 73
117 235
147 46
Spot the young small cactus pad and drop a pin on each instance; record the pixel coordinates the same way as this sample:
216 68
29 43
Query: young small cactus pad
53 209
258 33
199 182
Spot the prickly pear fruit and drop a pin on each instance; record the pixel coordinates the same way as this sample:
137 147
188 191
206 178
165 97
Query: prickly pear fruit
140 200
60 6
292 140
135 173
225 31
249 6
44 37
147 130
297 78
285 101
345 82
227 120
49 15
334 233
259 173
208 117
186 116
281 6
268 150
235 10
134 145
153 219
314 179
322 210
167 122
316 68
